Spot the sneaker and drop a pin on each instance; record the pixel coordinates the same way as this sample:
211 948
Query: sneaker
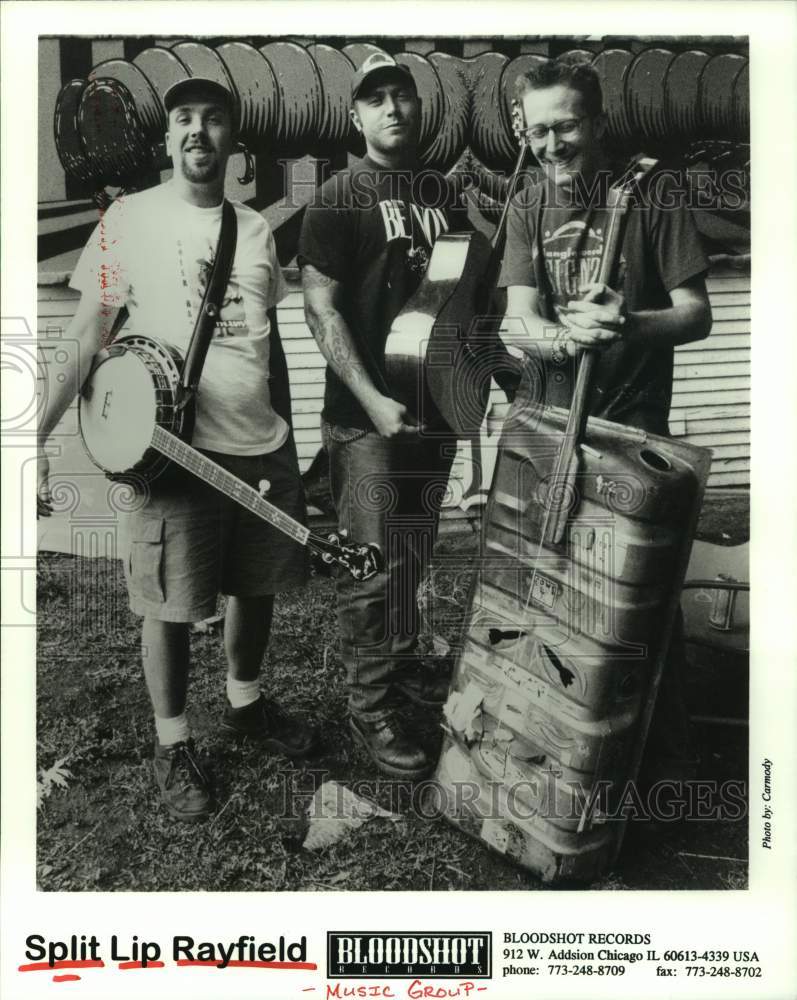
264 722
424 685
390 748
184 786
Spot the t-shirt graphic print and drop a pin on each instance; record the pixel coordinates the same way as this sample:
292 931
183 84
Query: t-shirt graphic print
573 254
232 315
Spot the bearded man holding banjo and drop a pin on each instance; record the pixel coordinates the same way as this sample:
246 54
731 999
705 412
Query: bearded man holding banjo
153 253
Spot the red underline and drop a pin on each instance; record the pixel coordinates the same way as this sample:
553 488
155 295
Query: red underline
45 966
98 964
216 964
65 979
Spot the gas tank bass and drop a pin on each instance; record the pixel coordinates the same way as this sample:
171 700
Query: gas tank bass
565 640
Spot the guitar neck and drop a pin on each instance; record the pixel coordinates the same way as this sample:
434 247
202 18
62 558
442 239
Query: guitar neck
208 471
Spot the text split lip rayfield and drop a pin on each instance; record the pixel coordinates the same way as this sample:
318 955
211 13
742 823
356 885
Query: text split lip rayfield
84 951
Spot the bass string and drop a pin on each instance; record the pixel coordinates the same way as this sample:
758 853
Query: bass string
496 241
549 513
616 208
526 629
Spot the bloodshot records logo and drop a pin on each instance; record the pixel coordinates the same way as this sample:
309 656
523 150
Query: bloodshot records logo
399 954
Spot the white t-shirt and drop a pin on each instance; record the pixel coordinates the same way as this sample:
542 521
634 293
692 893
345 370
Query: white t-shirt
152 252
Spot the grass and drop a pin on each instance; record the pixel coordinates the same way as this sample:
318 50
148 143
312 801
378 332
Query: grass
100 827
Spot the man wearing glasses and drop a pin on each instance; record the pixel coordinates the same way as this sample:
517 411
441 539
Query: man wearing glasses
555 233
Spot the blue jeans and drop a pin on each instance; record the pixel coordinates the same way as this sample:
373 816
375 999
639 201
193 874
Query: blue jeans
387 491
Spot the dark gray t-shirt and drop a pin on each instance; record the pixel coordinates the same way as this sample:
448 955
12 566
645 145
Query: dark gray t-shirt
555 248
373 230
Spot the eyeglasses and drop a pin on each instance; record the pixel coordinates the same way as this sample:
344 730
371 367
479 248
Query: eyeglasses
562 130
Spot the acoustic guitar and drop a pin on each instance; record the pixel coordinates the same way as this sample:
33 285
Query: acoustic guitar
443 348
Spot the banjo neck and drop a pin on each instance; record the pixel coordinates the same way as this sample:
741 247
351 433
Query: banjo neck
204 468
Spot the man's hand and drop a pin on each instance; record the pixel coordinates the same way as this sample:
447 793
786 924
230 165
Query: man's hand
596 321
391 417
44 502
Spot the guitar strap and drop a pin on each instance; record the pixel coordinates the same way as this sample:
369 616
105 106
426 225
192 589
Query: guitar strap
211 304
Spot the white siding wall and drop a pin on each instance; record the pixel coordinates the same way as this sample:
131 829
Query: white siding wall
306 367
711 393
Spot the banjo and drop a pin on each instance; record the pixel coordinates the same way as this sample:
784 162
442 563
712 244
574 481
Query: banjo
133 423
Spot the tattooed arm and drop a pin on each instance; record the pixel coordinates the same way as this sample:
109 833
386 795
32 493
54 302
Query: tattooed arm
322 310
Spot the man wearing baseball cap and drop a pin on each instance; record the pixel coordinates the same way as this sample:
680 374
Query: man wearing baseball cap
152 253
385 67
198 86
365 245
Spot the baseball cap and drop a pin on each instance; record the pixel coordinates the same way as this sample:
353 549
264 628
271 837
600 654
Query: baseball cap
375 63
193 84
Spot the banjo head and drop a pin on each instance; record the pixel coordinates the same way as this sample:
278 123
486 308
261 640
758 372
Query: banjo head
119 413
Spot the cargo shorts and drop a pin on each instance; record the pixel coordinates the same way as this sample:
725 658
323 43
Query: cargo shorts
186 543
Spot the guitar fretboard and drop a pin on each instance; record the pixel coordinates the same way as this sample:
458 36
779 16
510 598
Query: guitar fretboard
206 469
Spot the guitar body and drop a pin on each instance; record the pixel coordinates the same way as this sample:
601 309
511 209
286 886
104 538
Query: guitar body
432 358
132 389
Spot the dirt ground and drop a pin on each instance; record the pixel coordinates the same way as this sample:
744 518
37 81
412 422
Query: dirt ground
100 828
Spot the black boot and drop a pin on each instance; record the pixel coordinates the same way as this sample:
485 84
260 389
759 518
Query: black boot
426 684
390 748
264 722
183 784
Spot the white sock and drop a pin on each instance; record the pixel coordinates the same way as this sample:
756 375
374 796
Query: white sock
174 730
241 693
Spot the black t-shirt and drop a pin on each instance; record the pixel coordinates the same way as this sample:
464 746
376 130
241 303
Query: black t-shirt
555 248
373 230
